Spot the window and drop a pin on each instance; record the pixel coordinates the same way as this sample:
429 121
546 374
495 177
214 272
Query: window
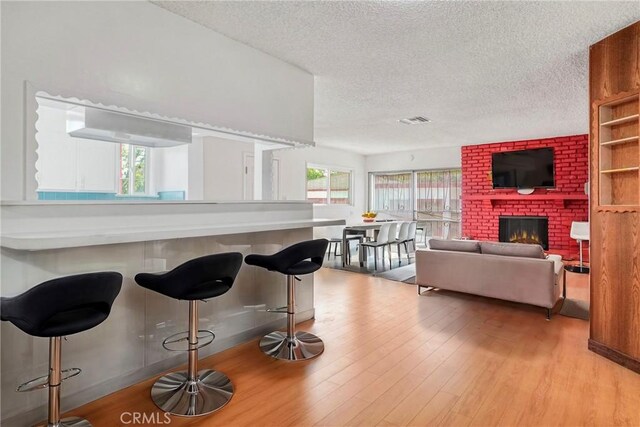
432 197
328 185
438 202
132 178
392 194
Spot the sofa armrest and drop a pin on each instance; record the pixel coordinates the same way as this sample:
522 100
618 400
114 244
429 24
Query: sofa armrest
557 263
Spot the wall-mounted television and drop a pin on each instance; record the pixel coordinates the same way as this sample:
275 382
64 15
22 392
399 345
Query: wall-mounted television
523 169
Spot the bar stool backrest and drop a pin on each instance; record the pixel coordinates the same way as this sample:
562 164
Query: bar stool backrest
200 278
65 305
300 258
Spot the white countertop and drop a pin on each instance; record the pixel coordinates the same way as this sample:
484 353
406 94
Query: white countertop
36 241
149 202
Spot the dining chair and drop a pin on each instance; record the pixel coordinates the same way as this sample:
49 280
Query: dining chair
403 235
413 225
334 235
386 236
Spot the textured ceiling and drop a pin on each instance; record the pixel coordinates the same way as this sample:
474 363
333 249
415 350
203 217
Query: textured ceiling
482 72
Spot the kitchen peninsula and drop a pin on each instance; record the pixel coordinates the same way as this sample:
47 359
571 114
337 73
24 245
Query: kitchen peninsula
44 240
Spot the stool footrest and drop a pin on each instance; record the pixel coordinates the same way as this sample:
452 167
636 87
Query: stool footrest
174 342
43 381
277 310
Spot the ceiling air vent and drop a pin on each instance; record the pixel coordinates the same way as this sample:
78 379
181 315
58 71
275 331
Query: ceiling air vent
414 120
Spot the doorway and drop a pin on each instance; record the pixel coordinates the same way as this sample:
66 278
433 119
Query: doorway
248 174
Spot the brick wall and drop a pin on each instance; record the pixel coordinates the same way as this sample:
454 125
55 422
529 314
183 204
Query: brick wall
480 217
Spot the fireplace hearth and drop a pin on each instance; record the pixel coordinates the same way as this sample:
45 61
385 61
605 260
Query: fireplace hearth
524 229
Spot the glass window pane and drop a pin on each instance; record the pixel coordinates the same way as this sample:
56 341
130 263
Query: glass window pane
317 185
139 165
340 187
124 168
392 194
438 203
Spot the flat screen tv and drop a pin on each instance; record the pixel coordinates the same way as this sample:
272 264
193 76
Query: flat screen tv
523 169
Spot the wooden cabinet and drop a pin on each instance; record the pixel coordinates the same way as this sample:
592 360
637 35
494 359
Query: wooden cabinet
614 83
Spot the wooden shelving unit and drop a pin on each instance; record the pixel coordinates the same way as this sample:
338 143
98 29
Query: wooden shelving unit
619 151
614 220
620 141
621 120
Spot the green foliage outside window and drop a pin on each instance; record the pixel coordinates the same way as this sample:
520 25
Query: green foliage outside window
140 162
313 173
133 164
124 168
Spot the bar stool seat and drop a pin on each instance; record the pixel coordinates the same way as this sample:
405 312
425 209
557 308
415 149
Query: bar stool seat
296 260
192 392
57 308
268 262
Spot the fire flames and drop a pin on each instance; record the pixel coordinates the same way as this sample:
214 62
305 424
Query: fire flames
524 237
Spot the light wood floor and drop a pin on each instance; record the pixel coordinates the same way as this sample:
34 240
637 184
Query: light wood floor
395 358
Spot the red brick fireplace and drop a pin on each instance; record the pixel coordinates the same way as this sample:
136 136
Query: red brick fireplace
482 206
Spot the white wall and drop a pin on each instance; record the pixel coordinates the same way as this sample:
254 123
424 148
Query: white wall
196 170
170 168
293 173
430 158
139 56
223 168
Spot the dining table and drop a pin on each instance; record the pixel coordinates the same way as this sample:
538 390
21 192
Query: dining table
359 231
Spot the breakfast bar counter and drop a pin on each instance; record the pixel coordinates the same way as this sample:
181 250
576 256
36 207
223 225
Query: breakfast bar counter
45 240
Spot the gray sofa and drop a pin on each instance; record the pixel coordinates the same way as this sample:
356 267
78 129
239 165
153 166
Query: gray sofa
508 271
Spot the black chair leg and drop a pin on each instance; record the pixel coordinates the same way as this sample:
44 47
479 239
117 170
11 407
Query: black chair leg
375 259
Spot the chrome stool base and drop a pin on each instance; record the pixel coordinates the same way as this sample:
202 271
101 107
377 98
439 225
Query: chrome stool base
303 346
176 394
69 422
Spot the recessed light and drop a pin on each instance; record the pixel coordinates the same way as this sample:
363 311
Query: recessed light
417 120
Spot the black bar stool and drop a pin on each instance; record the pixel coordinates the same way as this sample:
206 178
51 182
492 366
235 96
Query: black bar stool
57 308
193 392
301 258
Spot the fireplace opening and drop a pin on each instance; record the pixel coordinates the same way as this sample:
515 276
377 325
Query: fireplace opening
524 229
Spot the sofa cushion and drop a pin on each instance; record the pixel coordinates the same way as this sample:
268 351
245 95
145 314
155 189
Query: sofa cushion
455 245
524 250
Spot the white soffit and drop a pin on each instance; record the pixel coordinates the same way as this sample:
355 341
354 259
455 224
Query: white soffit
480 71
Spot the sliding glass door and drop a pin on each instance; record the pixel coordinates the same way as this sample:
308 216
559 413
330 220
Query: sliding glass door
432 197
438 204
